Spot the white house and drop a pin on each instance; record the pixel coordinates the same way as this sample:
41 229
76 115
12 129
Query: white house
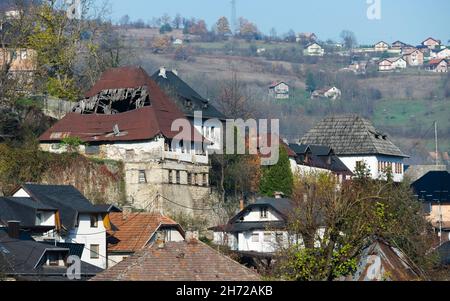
442 54
391 64
314 49
75 219
260 227
357 142
381 46
279 90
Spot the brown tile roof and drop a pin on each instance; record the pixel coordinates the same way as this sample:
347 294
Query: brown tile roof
178 261
131 232
141 124
434 62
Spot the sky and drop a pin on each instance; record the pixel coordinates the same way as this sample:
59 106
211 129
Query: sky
410 21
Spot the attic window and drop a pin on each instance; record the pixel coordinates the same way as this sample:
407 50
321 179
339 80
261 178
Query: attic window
263 212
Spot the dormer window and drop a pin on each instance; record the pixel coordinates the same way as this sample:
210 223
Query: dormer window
264 212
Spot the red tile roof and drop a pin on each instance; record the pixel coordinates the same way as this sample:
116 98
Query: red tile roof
178 261
141 124
436 61
131 232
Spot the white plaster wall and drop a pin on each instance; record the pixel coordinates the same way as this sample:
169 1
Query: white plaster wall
372 163
88 236
255 216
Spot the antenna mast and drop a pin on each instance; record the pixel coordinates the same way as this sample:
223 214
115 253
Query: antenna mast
233 16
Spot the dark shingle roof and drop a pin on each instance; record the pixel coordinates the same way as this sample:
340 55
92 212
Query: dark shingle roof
351 135
24 258
282 206
66 198
178 261
173 84
21 209
433 187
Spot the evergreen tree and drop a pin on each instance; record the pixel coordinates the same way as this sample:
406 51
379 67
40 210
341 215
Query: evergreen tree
310 83
278 177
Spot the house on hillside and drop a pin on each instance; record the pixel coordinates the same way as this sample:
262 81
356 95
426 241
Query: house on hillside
392 64
438 65
132 232
398 45
28 260
381 46
357 142
279 90
189 102
314 49
311 159
177 42
17 59
359 67
190 260
441 54
258 228
432 43
127 117
413 57
60 214
332 93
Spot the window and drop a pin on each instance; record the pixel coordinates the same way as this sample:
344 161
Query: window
427 208
279 238
178 177
56 146
142 177
94 221
263 212
95 250
205 179
92 150
170 176
267 237
255 237
129 154
189 179
53 259
359 165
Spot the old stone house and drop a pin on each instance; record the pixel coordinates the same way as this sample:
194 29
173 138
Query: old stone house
126 117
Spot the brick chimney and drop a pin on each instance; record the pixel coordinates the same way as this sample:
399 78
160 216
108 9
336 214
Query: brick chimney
14 229
241 205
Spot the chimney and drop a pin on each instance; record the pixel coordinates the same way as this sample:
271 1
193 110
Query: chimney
279 195
160 241
241 205
14 229
192 236
162 72
126 211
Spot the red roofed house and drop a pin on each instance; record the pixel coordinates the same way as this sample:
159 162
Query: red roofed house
413 57
431 43
132 232
127 117
438 65
279 90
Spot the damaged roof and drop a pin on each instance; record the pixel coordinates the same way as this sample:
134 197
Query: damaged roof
172 83
141 124
131 232
178 261
351 135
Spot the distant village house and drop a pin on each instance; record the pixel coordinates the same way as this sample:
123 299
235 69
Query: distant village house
279 90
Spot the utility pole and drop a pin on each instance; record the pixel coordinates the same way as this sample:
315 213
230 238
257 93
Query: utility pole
436 141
